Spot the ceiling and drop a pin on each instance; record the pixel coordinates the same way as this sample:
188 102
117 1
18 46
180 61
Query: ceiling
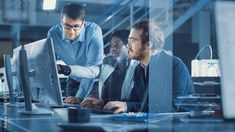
29 21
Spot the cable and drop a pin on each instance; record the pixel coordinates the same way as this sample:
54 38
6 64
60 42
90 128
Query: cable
202 49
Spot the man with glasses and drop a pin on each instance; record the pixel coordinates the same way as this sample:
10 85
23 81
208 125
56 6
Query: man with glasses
80 45
145 44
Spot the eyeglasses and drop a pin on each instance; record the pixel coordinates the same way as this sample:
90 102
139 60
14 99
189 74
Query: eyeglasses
132 40
74 27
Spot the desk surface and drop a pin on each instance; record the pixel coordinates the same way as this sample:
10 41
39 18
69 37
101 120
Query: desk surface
14 121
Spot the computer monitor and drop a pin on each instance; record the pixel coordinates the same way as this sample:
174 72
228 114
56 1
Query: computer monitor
13 92
42 71
8 72
14 97
225 33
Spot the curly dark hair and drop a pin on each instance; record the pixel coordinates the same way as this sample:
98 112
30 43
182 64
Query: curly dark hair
122 34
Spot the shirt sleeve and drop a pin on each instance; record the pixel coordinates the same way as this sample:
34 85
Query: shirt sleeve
84 72
134 104
183 85
137 106
84 88
104 93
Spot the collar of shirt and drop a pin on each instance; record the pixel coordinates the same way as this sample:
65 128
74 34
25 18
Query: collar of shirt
146 67
80 38
143 66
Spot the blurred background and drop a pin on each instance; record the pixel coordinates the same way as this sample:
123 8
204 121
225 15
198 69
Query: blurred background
188 24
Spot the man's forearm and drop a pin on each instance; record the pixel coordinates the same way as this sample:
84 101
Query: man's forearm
84 72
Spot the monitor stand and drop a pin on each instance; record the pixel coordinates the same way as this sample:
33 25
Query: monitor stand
36 111
30 109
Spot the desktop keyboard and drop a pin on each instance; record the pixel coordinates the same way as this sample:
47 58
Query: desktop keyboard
66 106
100 111
93 110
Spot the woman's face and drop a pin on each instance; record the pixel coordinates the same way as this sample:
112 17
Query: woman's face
118 48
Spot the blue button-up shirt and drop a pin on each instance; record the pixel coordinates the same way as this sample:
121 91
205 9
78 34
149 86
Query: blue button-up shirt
85 50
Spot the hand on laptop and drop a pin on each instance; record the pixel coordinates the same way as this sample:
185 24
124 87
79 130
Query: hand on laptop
72 100
116 106
93 102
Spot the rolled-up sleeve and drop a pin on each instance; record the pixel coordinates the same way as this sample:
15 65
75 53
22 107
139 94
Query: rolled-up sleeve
84 72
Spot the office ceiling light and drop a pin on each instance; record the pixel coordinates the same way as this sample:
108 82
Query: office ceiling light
49 4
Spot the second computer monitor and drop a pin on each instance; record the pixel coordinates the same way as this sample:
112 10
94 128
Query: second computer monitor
43 78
